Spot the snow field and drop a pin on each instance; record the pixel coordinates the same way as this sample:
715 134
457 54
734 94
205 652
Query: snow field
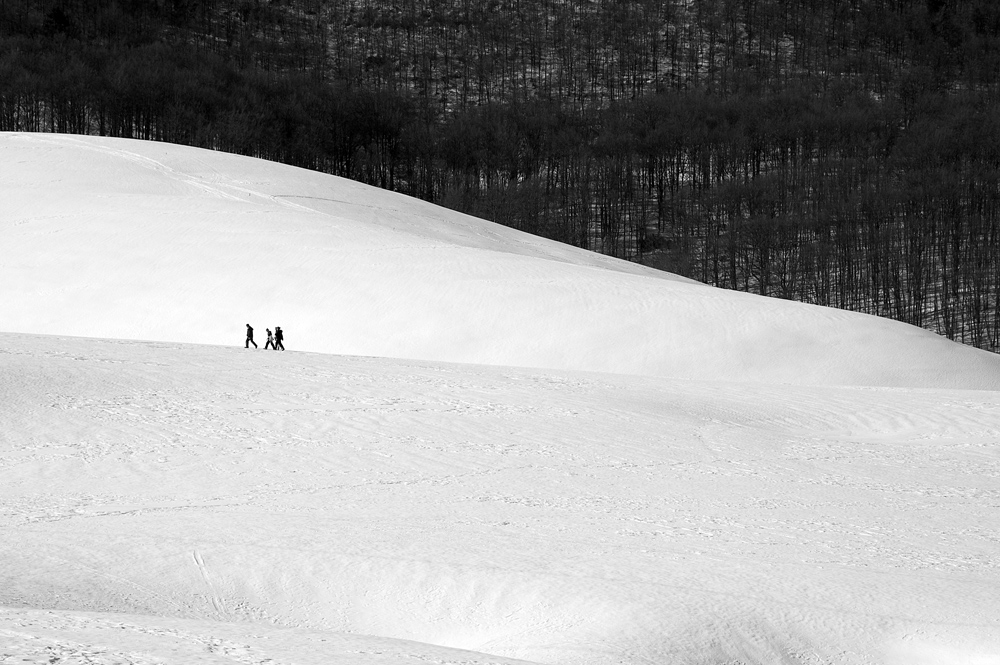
481 447
553 517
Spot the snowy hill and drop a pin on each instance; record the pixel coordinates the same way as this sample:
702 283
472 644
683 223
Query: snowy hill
482 446
140 240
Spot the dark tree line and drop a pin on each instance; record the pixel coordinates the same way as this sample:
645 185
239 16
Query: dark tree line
841 152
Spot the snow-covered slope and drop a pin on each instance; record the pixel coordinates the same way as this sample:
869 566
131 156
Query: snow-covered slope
554 517
465 488
140 240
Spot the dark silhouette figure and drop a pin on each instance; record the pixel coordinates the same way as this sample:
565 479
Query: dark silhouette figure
250 338
278 336
270 340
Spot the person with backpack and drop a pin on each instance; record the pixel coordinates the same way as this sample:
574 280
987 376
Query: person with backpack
278 336
250 338
270 340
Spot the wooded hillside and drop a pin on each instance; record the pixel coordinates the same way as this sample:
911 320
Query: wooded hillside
841 152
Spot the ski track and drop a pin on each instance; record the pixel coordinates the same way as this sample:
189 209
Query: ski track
585 514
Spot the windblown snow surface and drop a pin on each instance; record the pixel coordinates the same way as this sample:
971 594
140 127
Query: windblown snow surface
480 447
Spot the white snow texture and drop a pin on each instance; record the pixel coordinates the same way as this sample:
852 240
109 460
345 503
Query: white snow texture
480 448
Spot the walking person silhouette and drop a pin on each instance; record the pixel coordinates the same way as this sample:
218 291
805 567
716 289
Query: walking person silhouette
278 336
250 338
270 340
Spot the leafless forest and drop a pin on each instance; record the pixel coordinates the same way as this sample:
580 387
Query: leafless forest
840 152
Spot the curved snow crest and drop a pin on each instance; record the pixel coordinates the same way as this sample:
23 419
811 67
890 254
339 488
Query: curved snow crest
141 240
34 636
